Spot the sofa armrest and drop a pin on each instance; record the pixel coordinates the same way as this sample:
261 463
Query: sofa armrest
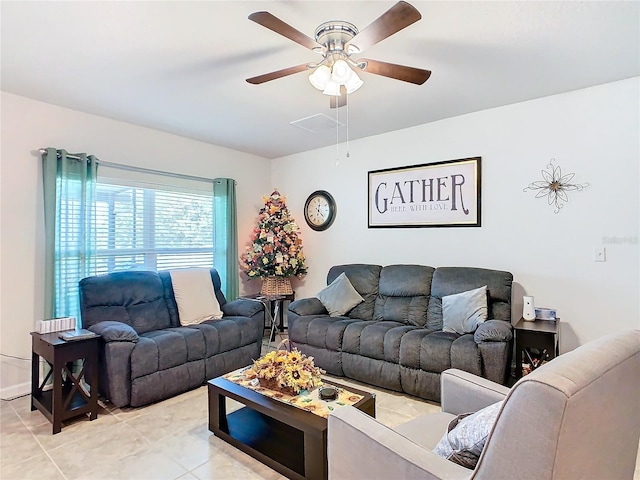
112 331
359 447
464 392
308 306
493 331
243 307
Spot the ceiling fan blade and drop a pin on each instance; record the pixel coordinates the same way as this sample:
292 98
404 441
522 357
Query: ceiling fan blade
399 72
275 24
341 101
277 74
400 16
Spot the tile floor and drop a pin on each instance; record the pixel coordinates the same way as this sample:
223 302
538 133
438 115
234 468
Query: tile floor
168 440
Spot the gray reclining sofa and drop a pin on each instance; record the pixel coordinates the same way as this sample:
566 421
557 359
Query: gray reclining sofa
145 354
395 338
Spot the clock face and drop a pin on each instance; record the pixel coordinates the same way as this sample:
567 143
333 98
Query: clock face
320 210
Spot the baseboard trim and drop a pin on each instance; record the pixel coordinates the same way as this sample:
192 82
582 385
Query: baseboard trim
15 391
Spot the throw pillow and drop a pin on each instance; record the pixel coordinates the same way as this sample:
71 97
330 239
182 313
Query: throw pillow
193 291
467 435
339 296
463 312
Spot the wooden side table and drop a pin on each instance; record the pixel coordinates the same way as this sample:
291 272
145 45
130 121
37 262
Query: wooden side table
543 335
68 397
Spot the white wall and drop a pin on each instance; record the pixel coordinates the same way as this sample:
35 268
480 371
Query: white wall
28 125
593 132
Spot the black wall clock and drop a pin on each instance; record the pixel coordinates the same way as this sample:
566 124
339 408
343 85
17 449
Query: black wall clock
320 210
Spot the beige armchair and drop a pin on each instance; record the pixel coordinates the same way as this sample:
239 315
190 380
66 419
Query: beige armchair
577 417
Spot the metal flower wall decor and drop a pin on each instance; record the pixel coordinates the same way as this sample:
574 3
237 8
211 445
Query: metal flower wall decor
555 185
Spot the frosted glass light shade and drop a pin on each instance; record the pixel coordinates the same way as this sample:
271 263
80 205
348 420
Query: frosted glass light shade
332 88
354 83
320 77
341 72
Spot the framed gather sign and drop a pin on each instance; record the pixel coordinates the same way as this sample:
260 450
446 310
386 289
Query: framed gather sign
441 194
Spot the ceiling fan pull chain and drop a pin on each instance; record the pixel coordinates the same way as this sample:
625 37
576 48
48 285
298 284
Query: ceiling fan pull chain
347 102
337 137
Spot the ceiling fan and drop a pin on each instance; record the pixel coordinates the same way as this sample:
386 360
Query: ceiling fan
337 41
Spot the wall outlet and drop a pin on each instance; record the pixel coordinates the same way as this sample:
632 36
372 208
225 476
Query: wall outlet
599 254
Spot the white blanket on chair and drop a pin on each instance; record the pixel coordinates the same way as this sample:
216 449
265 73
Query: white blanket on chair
193 291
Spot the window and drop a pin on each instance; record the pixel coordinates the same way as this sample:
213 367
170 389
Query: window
126 218
143 226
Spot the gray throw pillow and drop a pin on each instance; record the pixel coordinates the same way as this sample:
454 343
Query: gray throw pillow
467 435
339 296
463 312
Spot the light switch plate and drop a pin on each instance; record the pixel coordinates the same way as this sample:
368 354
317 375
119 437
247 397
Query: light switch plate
599 254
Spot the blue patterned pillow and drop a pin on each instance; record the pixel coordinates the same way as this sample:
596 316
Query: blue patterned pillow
466 436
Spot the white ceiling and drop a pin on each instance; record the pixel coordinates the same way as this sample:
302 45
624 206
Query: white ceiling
180 66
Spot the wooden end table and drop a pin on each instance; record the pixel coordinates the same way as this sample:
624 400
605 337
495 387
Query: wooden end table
543 335
288 439
68 398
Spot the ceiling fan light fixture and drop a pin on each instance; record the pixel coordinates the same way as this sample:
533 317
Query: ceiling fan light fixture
332 88
341 72
354 83
333 40
320 77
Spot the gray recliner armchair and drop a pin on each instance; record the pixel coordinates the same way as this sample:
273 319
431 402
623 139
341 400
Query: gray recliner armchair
577 417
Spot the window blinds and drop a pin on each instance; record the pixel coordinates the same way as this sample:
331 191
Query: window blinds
150 221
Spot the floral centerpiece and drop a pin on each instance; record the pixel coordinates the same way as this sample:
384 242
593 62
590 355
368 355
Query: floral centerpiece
281 369
276 247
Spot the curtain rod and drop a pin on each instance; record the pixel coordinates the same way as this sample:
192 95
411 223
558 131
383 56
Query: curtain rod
69 155
141 169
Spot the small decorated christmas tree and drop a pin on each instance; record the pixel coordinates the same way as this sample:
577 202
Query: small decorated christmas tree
276 247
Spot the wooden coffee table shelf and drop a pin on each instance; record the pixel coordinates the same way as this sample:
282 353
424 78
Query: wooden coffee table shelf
290 440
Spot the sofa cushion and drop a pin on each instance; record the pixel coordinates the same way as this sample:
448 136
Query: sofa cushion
466 436
320 331
365 279
162 349
379 340
435 351
135 298
427 350
339 296
228 334
195 298
403 294
463 312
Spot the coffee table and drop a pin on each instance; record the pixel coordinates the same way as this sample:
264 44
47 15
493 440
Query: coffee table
288 439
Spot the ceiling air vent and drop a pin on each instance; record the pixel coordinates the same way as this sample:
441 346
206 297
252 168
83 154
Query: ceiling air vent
317 123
